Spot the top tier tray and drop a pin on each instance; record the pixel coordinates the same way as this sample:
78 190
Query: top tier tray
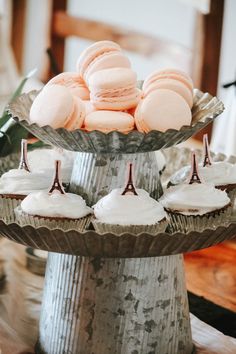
204 110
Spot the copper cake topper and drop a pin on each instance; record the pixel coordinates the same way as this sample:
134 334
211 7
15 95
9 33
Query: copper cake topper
23 158
57 184
207 156
130 185
194 176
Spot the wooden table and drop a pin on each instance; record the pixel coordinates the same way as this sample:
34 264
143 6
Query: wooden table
212 273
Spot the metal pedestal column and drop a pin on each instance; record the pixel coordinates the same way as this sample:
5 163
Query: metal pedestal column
114 306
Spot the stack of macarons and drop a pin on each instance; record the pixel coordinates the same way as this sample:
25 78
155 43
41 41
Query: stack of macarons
103 95
99 56
167 101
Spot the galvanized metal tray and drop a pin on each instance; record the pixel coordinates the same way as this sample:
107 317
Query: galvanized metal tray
90 243
205 109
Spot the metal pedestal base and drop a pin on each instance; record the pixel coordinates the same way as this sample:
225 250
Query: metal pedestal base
114 306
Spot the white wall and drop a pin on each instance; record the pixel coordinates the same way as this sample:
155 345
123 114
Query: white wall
36 35
170 19
228 48
225 125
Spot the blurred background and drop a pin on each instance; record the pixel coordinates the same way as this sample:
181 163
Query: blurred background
197 36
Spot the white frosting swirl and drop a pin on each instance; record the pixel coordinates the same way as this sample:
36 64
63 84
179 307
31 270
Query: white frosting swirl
129 209
22 182
44 160
67 205
194 199
219 173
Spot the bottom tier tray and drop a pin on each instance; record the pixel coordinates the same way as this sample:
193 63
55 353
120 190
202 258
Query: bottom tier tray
108 294
92 244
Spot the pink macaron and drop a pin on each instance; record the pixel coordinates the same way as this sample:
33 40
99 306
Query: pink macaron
114 89
57 107
161 110
77 117
89 107
108 121
72 81
99 56
173 85
173 74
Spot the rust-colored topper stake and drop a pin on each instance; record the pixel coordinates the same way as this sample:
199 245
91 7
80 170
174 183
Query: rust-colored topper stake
194 176
57 185
207 156
130 185
23 158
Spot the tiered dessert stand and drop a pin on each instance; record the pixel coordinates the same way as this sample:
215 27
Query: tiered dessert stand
108 294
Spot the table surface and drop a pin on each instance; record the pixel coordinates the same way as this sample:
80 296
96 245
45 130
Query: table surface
212 273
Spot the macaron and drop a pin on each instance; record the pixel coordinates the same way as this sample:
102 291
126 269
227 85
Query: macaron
89 107
108 121
114 89
77 117
99 56
73 81
173 74
57 107
162 110
173 85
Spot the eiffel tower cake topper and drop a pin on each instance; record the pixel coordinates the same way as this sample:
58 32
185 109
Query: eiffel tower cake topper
194 176
57 185
130 185
23 158
207 156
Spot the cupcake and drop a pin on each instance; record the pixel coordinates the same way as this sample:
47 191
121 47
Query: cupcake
221 174
16 184
129 210
54 209
195 206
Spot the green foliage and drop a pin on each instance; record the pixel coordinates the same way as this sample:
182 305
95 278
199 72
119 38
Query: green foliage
12 132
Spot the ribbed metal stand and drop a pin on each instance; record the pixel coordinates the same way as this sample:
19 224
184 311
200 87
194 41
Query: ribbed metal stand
95 175
114 306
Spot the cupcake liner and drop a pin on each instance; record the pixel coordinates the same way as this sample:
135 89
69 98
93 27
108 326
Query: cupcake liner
7 163
64 224
154 229
7 205
187 223
204 110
